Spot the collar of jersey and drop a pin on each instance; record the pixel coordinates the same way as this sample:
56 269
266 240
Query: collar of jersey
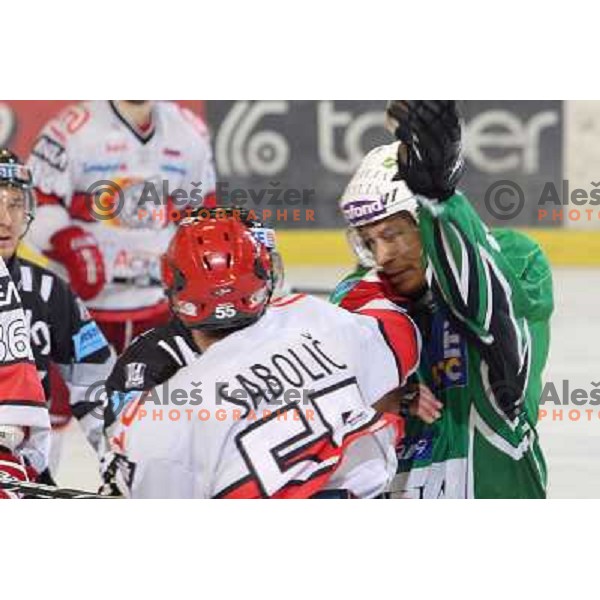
141 137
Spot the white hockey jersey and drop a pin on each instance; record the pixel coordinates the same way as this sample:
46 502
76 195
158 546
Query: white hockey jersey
280 409
22 399
93 169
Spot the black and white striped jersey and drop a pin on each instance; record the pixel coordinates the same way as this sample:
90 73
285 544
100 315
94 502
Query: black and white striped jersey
150 360
63 332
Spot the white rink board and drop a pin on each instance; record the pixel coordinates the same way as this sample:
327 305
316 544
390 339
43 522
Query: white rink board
572 448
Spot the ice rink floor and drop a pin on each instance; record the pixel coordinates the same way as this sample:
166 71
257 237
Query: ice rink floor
571 444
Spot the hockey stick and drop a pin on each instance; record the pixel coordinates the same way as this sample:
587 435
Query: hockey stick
40 490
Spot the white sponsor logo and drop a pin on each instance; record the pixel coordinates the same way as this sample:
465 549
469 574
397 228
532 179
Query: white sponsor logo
9 295
498 141
135 375
238 150
360 209
330 121
242 148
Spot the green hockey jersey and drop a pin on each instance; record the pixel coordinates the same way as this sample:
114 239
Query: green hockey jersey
485 335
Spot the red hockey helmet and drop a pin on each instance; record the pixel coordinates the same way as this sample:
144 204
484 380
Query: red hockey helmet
216 274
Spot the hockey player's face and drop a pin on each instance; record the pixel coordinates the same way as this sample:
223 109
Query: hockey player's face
12 219
396 246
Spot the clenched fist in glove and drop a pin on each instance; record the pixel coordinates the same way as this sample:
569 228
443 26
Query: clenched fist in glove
430 157
80 254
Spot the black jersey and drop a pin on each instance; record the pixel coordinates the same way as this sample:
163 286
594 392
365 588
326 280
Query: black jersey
150 360
63 332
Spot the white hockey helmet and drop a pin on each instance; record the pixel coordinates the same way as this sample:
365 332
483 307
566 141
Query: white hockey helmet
373 195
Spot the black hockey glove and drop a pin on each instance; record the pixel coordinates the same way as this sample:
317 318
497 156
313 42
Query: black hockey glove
430 159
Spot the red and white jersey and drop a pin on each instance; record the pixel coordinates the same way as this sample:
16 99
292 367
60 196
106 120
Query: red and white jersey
159 171
22 401
280 409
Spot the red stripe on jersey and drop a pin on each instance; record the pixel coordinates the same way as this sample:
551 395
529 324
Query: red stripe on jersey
250 489
58 134
130 412
247 488
391 420
286 300
321 450
324 450
305 490
365 291
361 293
20 381
401 335
47 199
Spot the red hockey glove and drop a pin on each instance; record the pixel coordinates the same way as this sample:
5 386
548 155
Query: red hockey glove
79 252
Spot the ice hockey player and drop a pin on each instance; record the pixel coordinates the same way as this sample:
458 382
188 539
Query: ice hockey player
62 331
24 420
481 299
281 401
112 179
157 354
